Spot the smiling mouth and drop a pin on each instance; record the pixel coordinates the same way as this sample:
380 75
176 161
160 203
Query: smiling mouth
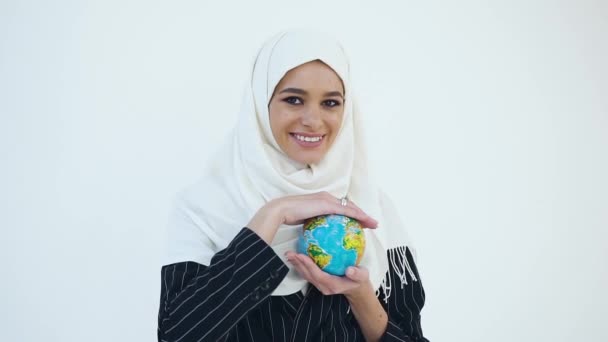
308 140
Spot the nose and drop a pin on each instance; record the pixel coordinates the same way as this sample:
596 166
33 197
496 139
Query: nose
312 118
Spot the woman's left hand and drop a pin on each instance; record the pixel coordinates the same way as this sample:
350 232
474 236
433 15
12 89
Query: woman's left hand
355 280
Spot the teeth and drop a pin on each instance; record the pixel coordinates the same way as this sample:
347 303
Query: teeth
307 139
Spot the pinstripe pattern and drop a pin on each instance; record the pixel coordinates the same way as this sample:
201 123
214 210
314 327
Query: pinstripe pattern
229 300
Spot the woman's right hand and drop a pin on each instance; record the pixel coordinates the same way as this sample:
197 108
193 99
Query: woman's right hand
296 209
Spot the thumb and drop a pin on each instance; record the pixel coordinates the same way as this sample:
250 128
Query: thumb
358 274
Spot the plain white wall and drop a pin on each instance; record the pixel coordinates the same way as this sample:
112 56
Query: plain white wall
488 119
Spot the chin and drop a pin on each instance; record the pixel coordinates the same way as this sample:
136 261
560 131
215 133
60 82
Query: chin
308 160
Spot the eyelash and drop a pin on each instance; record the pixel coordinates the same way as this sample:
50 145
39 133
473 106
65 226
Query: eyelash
289 100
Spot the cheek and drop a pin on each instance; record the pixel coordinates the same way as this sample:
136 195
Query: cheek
279 121
282 115
335 122
274 115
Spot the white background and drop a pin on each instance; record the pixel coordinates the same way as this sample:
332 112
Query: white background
488 120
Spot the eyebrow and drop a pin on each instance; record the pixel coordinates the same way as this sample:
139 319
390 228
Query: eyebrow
304 92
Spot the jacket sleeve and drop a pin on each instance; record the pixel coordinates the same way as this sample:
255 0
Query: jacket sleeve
404 305
202 303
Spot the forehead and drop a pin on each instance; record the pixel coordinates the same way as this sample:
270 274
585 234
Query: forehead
314 75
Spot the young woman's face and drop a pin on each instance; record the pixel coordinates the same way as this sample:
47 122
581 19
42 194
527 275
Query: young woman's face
306 111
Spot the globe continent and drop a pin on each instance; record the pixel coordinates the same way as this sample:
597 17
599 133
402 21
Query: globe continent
334 242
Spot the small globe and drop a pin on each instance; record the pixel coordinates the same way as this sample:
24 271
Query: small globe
334 242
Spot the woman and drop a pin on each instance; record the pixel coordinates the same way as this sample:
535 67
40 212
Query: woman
297 152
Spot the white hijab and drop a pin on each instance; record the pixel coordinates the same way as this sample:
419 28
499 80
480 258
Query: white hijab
250 169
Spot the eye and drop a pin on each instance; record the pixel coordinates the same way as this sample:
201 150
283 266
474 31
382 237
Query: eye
331 103
294 100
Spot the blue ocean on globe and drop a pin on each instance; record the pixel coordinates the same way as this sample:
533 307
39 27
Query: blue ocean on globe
334 242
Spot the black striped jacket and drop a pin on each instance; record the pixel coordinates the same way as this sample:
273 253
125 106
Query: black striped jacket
229 300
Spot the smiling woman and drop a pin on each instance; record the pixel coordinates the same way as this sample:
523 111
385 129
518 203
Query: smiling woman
306 111
231 273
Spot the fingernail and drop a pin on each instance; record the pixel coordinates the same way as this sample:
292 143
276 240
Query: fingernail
350 272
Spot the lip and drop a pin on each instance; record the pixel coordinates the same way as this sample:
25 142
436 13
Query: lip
308 144
311 135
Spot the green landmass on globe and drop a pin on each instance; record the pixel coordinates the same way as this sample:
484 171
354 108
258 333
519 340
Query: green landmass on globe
334 242
318 255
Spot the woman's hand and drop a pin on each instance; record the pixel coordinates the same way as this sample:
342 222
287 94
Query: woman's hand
296 209
353 284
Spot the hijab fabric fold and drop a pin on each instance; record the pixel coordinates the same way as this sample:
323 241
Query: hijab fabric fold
250 169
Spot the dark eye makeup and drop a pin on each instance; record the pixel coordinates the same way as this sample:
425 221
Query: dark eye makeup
331 103
294 100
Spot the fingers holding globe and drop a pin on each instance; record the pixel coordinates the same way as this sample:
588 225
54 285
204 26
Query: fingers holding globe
346 207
